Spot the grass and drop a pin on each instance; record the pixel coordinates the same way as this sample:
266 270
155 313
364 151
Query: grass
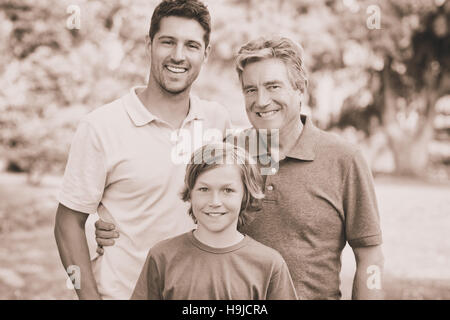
415 217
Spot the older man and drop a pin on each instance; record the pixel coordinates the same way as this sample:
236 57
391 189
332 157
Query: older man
322 194
319 190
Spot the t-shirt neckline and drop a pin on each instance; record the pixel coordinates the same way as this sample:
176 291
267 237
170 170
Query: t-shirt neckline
205 247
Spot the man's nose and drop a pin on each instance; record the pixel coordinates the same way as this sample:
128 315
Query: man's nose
178 53
263 98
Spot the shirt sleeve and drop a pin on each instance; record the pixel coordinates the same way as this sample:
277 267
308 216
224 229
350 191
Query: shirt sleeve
148 286
281 286
362 220
85 175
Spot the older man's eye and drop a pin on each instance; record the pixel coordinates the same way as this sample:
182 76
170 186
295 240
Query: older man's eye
274 87
193 46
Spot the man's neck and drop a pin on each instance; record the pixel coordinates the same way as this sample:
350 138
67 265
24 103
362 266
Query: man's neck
288 136
171 108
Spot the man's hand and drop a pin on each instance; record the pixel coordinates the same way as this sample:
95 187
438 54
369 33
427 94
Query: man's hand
104 235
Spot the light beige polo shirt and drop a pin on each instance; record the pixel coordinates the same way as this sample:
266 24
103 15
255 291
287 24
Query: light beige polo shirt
123 164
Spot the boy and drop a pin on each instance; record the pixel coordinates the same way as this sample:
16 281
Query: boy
215 261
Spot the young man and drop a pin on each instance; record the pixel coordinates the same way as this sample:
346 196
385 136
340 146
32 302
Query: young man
321 194
120 164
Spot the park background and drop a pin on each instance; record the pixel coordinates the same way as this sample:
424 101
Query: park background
378 76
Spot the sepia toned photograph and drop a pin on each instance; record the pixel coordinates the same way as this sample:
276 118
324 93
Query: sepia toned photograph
225 150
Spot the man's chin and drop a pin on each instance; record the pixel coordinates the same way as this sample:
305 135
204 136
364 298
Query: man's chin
265 125
175 90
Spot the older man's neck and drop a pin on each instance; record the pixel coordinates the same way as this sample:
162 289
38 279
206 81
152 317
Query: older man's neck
288 137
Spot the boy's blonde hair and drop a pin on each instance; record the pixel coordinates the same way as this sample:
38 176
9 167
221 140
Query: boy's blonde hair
213 155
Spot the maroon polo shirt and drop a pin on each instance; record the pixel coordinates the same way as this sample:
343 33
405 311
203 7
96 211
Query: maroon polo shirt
321 197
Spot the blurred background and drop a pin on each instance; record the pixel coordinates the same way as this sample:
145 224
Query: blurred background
379 75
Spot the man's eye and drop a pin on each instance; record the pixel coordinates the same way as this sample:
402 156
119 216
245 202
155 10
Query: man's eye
250 91
274 87
167 42
203 189
193 46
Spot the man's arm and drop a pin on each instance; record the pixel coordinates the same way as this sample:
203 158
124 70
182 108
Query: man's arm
367 284
73 249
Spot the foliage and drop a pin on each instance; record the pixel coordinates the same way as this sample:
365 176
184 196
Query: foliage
51 75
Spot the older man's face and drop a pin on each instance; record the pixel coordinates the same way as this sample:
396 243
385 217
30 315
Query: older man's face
270 99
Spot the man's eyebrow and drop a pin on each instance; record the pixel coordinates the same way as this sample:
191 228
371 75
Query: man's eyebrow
194 41
268 83
165 37
248 86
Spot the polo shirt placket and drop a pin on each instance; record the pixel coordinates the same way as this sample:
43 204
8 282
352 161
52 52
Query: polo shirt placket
321 197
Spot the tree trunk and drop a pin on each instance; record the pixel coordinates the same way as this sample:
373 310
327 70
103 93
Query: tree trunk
409 146
410 152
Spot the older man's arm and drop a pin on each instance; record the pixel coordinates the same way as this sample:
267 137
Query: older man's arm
367 284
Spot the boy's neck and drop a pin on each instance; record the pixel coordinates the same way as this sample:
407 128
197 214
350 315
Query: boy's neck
218 240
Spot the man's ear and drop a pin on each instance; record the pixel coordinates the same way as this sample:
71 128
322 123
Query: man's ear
148 46
207 52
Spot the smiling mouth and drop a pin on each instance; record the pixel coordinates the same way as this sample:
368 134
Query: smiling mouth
177 70
266 114
215 214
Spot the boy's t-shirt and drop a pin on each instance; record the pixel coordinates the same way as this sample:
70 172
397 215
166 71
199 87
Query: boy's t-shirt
183 268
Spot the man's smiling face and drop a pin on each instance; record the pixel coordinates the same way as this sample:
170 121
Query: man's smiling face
177 53
271 100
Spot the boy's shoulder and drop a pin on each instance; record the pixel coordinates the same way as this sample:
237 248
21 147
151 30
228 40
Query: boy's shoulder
171 244
263 252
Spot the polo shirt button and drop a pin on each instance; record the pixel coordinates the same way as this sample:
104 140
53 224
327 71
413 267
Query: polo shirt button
274 170
270 187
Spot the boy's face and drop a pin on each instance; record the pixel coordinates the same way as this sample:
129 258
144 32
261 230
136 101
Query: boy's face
177 53
216 199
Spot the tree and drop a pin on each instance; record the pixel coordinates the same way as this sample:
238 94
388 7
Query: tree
413 46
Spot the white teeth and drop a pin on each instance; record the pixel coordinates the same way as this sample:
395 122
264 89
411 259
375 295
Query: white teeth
266 114
176 69
214 214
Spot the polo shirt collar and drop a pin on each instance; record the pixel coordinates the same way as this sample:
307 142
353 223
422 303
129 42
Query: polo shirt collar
195 109
304 147
140 115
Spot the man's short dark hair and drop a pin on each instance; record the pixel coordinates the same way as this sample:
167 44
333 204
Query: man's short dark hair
190 9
